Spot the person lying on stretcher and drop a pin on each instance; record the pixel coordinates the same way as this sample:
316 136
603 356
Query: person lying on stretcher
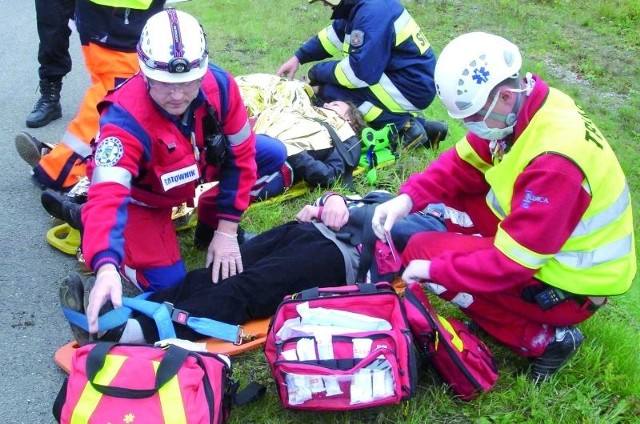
319 249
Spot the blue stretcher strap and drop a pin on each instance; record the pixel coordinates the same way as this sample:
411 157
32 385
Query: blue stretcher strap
161 316
216 329
111 319
157 311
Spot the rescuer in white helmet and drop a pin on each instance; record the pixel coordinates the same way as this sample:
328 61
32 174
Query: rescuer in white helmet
536 179
176 124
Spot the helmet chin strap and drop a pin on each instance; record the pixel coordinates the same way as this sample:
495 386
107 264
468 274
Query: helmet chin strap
510 118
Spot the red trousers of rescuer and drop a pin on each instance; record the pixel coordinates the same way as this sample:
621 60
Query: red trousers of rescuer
64 165
519 324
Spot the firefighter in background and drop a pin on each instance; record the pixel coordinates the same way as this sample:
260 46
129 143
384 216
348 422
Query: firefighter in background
109 36
386 67
544 190
178 123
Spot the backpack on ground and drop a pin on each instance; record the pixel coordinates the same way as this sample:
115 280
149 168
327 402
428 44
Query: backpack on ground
461 359
117 383
341 348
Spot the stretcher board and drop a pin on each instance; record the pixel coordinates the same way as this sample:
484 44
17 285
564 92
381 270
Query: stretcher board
255 332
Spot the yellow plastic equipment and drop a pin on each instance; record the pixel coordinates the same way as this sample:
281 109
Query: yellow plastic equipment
64 238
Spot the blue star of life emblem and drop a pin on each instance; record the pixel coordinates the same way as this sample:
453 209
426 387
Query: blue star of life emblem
480 75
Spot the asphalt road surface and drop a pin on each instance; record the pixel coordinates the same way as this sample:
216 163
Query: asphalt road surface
30 318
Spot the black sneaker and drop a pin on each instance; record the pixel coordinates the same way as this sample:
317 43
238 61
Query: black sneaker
62 207
30 148
557 353
72 294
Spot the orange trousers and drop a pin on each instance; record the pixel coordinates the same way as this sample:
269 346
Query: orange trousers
66 163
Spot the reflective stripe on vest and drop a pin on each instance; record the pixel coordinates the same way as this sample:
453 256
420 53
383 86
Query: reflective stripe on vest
605 217
518 253
610 252
599 256
493 203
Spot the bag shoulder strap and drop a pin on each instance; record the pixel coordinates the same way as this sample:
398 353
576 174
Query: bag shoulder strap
168 368
366 251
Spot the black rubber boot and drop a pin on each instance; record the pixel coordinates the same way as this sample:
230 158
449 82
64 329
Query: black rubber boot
47 108
413 134
427 134
436 132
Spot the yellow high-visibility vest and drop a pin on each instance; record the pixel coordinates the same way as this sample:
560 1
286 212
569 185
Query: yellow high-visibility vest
599 257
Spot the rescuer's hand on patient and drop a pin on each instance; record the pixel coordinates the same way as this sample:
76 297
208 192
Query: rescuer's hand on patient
309 213
387 213
224 252
335 213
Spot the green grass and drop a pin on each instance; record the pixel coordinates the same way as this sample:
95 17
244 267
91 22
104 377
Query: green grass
589 50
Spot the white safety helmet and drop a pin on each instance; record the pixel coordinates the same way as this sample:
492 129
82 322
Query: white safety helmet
469 67
173 47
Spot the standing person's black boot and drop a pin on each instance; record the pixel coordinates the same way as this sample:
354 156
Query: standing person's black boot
47 108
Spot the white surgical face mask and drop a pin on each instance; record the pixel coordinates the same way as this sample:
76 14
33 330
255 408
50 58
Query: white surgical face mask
481 129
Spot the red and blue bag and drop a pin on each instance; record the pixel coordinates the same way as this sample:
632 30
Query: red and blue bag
461 359
116 383
341 348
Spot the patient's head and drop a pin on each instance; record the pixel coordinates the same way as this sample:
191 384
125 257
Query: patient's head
350 113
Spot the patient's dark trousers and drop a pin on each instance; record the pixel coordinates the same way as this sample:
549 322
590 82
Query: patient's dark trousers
284 260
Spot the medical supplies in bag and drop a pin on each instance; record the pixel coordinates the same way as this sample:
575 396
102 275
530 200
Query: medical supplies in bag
119 383
461 359
341 348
